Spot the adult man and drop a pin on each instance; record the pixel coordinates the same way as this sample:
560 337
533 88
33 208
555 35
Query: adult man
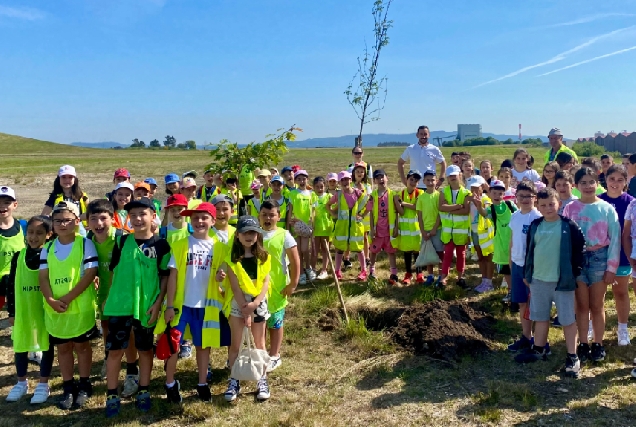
556 142
423 157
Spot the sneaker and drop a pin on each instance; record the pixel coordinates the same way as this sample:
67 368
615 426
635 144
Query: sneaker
393 279
462 283
346 265
507 298
303 279
85 391
172 393
623 337
440 282
548 352
555 322
634 373
113 406
407 279
208 378
430 280
504 284
419 279
598 352
185 352
323 275
530 355
204 393
372 276
311 274
233 389
41 394
35 357
572 367
338 275
66 402
131 385
484 287
143 402
522 343
583 352
103 372
262 390
274 363
18 391
362 276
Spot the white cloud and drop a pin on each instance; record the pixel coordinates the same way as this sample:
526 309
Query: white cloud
27 13
591 18
618 52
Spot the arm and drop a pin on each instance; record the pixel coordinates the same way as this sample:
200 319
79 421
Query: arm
46 210
420 220
465 208
578 248
442 170
294 270
170 292
9 283
446 207
438 222
45 288
627 241
400 166
399 204
81 286
614 250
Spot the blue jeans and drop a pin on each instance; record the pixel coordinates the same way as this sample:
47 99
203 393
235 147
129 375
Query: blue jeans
594 267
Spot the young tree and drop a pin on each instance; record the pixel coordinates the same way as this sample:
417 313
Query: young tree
369 87
155 143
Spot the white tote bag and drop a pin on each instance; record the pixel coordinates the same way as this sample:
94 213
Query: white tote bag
251 363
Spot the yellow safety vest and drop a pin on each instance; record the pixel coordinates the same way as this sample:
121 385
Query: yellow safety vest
366 219
391 209
278 277
82 203
408 224
486 231
234 218
248 286
455 227
349 231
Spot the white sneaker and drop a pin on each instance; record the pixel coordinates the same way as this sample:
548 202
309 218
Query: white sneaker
274 362
262 389
131 385
18 391
103 371
311 274
623 337
323 275
504 284
303 279
35 357
474 256
41 394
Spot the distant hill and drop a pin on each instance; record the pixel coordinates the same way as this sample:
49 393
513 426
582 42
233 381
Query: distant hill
105 144
14 144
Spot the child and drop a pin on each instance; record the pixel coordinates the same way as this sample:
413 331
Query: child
361 182
599 222
66 188
427 207
301 210
520 172
274 171
172 182
552 279
504 175
153 190
606 162
322 224
454 208
468 170
222 231
207 191
565 160
631 171
549 174
11 236
616 177
121 175
231 190
625 162
193 299
264 177
383 206
68 266
177 228
455 159
248 274
277 183
519 224
254 204
332 183
482 233
142 189
282 248
409 228
123 195
189 190
485 170
563 182
287 173
595 164
139 275
26 312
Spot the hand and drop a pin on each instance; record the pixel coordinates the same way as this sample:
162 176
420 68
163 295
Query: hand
220 275
57 305
433 232
168 315
12 321
96 283
359 218
609 278
153 312
526 282
248 308
66 299
476 200
426 235
288 291
153 227
248 321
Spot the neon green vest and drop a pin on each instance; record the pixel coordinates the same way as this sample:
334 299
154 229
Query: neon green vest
486 231
391 209
104 255
79 317
29 332
283 211
323 223
348 232
455 227
246 176
301 206
230 235
278 278
175 235
8 247
135 284
248 286
366 219
234 218
254 206
408 224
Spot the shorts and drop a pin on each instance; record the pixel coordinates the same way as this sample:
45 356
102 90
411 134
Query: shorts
192 317
542 296
519 290
226 333
624 271
504 269
92 333
594 267
261 313
380 243
437 242
119 328
276 320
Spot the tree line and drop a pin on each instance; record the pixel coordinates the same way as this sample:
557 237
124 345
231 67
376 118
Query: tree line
168 142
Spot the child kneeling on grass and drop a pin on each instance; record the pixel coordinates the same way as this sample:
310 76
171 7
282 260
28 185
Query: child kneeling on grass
554 278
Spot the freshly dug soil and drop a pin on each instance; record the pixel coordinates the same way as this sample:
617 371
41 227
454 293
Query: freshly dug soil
445 330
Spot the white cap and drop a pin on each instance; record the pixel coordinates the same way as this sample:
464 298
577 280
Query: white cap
125 184
475 181
67 170
7 192
453 170
67 206
555 131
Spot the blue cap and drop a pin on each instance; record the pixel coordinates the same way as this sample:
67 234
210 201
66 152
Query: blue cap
286 169
150 181
277 178
171 178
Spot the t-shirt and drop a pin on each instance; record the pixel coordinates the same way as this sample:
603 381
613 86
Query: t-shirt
620 204
11 231
288 243
566 202
382 227
547 240
519 225
577 193
510 194
528 174
350 198
250 265
197 274
223 235
423 158
63 251
503 234
428 204
154 248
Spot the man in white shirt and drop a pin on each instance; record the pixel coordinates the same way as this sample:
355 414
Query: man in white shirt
423 157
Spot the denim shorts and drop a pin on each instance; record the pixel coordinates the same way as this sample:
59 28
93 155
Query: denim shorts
519 290
594 267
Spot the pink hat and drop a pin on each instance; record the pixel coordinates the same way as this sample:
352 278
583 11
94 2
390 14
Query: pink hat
256 184
344 174
332 176
301 172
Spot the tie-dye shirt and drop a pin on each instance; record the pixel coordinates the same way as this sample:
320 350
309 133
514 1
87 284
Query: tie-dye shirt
600 226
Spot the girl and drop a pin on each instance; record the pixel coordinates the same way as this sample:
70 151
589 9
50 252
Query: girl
254 204
468 170
482 233
549 172
123 195
172 183
26 311
485 170
565 160
66 188
322 224
616 181
520 169
332 183
599 222
361 182
246 296
301 210
505 175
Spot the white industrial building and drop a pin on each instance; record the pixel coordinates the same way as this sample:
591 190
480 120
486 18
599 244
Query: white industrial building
465 132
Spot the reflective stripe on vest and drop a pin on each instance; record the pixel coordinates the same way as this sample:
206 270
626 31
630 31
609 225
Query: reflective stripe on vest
348 231
486 231
278 277
455 227
408 224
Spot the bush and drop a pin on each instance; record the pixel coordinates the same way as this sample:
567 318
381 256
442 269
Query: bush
588 149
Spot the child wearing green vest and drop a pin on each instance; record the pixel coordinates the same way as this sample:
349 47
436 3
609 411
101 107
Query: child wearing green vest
282 248
230 189
410 236
301 210
177 228
322 224
11 236
254 204
278 195
26 312
222 231
68 266
482 232
428 217
139 276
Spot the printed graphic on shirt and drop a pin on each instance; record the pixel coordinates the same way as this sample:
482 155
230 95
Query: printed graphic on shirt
200 259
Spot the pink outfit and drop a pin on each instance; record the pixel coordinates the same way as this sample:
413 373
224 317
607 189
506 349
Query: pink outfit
382 229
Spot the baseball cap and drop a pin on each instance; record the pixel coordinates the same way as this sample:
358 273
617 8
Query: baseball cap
222 198
150 181
67 170
203 207
144 202
300 173
142 184
248 223
453 170
171 178
277 178
332 176
256 184
496 184
287 169
475 181
555 131
177 200
188 182
208 170
429 172
378 173
359 165
414 172
263 172
121 173
191 173
344 174
67 206
7 192
124 184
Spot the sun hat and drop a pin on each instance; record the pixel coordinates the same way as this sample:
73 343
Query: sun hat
344 174
414 172
142 184
188 182
475 181
121 173
222 198
124 184
7 192
67 206
277 178
67 170
248 223
378 173
497 185
555 131
150 181
453 170
256 184
331 176
263 172
177 200
301 172
144 202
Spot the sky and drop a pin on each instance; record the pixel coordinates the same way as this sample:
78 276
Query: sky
114 70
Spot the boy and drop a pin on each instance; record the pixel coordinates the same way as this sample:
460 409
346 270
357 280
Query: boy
11 237
189 190
153 190
277 183
222 231
138 285
287 173
563 182
264 176
207 191
231 190
142 189
383 205
177 228
428 216
553 279
631 173
606 162
68 266
193 299
254 204
280 244
519 225
409 227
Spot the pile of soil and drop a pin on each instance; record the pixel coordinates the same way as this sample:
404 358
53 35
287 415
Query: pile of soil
445 330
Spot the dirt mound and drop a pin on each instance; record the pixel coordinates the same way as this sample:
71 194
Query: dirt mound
445 330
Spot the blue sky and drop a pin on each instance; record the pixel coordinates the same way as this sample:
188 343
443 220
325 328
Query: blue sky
113 70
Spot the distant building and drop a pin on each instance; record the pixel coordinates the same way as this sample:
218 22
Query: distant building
465 132
624 142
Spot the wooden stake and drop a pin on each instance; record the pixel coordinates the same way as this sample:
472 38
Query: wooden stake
333 269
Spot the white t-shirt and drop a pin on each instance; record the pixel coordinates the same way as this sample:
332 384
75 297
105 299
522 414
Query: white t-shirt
423 158
530 174
223 235
289 242
520 224
198 266
63 251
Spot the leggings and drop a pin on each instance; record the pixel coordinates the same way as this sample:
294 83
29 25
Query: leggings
448 257
409 258
22 363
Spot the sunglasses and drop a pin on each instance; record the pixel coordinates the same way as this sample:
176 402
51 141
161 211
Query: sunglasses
357 153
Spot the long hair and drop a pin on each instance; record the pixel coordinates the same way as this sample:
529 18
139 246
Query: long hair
365 180
554 165
238 251
76 190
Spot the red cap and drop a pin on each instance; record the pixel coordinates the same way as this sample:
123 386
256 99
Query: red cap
122 172
203 207
177 200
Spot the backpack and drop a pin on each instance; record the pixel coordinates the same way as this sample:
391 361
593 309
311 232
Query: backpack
163 231
494 214
90 233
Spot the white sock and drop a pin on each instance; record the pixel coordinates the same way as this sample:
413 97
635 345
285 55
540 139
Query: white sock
202 385
622 326
170 385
